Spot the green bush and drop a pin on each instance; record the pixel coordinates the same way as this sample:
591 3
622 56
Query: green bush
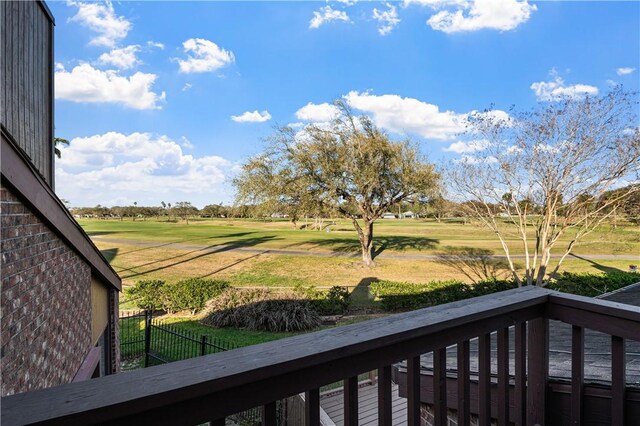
399 296
147 294
593 285
191 294
336 301
262 310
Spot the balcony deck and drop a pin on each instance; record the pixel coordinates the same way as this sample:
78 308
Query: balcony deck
210 388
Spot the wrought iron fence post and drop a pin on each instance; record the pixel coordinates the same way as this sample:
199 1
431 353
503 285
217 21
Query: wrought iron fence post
203 345
147 337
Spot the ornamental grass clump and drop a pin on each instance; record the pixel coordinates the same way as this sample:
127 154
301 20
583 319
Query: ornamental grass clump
262 310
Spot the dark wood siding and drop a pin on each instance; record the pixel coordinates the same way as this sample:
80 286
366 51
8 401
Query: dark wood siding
27 80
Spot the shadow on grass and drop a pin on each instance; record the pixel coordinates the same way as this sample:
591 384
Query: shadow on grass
239 234
382 243
232 264
98 233
477 264
598 266
109 254
361 294
210 250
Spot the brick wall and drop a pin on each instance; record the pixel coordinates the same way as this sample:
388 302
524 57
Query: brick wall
45 325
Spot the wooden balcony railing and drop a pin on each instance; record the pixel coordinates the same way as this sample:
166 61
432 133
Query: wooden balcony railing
210 388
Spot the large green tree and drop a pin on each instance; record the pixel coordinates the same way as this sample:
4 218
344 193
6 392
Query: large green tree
348 166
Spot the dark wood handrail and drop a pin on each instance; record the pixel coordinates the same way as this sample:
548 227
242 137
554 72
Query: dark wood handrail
210 387
615 319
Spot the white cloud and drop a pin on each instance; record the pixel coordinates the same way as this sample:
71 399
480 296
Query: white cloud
346 2
123 58
327 14
155 44
436 4
625 70
503 15
387 20
461 147
402 115
398 115
93 169
252 117
186 143
204 56
317 113
87 84
471 160
186 87
556 89
101 18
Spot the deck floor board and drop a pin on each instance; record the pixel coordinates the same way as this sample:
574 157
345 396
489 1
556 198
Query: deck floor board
367 406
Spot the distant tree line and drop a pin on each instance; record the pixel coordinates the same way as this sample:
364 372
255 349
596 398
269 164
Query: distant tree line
438 208
182 210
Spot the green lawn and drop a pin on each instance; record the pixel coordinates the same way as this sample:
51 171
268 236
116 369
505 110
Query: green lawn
394 236
139 250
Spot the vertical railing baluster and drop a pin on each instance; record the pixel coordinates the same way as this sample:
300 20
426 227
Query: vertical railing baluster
577 373
413 391
520 397
351 401
384 396
440 386
538 360
618 380
503 376
464 387
312 407
484 379
269 414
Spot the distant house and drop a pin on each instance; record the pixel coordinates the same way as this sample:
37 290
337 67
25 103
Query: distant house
388 215
409 215
59 296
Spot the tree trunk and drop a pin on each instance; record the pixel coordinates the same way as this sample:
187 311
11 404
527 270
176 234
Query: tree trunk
366 240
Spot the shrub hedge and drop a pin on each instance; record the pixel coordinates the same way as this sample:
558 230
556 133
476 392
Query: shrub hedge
147 294
335 301
190 294
593 285
401 296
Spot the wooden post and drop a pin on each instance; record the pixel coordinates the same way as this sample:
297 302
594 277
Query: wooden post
577 373
413 391
464 392
618 380
312 407
538 344
384 396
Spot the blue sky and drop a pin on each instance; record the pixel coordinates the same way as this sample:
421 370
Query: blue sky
163 101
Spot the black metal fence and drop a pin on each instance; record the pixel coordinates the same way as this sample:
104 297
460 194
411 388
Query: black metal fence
146 341
149 341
